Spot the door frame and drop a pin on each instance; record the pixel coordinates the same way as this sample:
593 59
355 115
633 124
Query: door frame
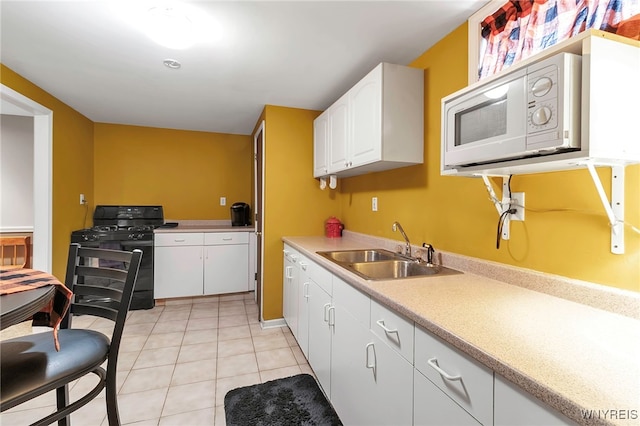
259 192
18 104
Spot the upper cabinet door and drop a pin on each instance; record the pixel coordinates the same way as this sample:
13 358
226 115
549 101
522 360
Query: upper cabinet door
377 125
365 107
339 134
321 145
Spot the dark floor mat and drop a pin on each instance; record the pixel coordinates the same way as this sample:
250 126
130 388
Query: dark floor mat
295 400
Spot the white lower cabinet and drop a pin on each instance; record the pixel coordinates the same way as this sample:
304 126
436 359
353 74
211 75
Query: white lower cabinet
320 335
290 289
379 368
226 262
304 281
514 407
195 263
177 264
371 383
464 380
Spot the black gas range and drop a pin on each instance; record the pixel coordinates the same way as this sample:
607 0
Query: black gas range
126 228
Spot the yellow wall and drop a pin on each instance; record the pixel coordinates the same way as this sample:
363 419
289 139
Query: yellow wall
455 215
294 204
184 171
72 165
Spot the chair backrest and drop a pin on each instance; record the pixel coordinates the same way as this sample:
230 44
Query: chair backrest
15 252
99 290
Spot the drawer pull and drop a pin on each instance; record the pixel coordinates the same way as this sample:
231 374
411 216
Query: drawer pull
385 328
433 363
227 239
179 240
303 265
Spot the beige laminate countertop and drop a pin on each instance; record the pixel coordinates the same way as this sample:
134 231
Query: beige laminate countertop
572 356
204 228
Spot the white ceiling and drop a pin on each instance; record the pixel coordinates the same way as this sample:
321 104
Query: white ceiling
301 54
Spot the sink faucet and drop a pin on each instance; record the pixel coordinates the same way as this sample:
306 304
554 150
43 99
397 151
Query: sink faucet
407 248
430 252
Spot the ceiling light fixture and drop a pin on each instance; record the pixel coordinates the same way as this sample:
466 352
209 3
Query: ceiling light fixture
172 63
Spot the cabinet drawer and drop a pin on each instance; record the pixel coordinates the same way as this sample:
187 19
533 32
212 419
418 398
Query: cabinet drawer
431 406
470 383
219 238
392 329
170 239
352 300
317 273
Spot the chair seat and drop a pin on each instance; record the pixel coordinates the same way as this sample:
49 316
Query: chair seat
31 365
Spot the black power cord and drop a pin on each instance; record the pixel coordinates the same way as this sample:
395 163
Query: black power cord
501 220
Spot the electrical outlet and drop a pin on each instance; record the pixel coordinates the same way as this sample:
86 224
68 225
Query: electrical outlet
517 199
374 204
223 201
83 201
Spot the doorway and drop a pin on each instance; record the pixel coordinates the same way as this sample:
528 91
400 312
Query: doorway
14 103
258 173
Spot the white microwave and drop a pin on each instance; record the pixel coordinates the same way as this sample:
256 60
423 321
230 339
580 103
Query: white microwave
531 111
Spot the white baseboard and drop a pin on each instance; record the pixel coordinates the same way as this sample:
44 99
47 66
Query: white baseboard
273 323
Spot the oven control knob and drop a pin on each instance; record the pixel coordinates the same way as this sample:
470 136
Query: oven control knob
140 236
541 116
131 236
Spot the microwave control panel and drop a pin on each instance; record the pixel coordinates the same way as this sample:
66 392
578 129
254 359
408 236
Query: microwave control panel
542 99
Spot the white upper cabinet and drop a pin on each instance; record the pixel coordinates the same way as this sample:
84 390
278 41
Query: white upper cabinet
339 134
377 125
320 146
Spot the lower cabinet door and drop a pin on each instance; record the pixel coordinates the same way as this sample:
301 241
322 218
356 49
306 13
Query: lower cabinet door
352 390
320 335
431 406
393 386
177 271
371 384
225 269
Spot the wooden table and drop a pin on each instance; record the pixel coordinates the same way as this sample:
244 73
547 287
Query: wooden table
18 307
25 292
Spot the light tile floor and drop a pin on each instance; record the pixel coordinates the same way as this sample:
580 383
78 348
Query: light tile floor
178 361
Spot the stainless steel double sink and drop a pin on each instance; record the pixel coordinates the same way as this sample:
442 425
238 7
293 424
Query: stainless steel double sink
380 264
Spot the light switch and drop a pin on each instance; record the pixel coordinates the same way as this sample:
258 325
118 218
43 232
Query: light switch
223 201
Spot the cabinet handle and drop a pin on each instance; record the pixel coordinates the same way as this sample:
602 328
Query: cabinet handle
294 258
303 265
179 240
305 290
326 306
433 363
332 323
288 273
367 363
227 239
385 328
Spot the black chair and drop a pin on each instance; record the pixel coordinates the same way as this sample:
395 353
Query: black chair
30 365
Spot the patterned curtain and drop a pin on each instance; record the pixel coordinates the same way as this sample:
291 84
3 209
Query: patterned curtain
522 28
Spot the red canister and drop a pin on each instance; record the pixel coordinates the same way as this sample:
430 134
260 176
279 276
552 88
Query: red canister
333 228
